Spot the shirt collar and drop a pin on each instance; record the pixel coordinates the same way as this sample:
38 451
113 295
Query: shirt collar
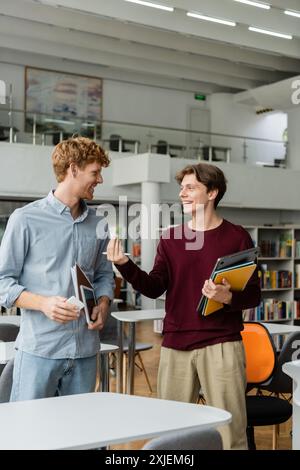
60 207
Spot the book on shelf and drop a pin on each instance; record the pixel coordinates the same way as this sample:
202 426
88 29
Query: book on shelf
282 248
271 279
237 269
272 310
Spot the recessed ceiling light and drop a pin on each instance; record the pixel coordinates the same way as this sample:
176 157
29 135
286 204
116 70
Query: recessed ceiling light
210 18
292 13
150 4
265 6
270 33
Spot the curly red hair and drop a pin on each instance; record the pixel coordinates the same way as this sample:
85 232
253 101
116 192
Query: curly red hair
78 150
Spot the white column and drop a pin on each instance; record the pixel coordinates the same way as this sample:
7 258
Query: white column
150 201
293 157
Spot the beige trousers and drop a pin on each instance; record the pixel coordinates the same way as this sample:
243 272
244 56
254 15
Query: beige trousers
219 370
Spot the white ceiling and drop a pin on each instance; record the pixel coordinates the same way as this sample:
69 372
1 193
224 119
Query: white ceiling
122 40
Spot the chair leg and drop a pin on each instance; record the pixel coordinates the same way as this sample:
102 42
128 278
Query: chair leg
275 435
251 438
125 373
144 370
98 378
201 399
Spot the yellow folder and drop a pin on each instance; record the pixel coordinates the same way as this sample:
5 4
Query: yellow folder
236 276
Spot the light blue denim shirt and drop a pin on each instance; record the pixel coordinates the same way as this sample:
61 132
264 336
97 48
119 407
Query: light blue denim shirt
41 243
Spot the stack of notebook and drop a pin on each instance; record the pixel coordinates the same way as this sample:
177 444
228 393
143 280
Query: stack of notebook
237 269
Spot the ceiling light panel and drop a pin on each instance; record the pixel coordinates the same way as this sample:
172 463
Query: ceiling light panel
151 4
210 18
270 33
292 13
265 6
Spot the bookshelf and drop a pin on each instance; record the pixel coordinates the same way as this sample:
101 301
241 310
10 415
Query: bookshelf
279 270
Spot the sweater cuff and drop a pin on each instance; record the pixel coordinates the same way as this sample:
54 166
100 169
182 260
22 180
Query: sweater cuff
128 269
236 301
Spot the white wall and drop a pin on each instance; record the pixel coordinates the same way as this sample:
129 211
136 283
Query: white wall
26 171
294 137
146 105
122 102
228 117
150 105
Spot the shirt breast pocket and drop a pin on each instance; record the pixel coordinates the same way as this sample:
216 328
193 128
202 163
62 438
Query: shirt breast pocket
87 255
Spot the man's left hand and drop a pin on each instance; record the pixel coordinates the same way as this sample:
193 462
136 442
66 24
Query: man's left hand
218 292
100 313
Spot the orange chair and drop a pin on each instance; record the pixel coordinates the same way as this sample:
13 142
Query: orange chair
261 363
260 353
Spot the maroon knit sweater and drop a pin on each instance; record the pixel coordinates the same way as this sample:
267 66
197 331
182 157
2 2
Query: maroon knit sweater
182 273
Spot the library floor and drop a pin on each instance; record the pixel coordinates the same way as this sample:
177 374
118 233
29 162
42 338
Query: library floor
263 435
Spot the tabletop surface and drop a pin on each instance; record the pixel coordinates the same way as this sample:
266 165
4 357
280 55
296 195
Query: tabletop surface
158 314
93 420
14 319
139 315
7 350
281 328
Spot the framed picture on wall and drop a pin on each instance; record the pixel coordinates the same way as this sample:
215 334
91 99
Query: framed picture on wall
63 102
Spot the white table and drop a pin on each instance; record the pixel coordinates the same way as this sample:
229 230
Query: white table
7 352
132 317
14 319
293 370
95 420
280 328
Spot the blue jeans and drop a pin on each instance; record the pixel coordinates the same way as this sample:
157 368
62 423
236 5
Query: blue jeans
39 377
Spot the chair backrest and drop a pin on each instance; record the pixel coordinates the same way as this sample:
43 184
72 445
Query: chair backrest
109 334
162 147
281 382
6 380
114 140
189 439
8 332
260 353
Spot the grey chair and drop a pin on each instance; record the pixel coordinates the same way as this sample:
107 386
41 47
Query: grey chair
6 379
109 334
280 382
8 332
187 439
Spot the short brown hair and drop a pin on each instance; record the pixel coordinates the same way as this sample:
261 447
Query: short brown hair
209 175
78 150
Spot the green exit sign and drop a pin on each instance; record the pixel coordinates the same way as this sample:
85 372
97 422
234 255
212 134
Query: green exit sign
199 97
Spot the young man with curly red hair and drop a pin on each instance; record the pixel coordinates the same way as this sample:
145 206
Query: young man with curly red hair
56 349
